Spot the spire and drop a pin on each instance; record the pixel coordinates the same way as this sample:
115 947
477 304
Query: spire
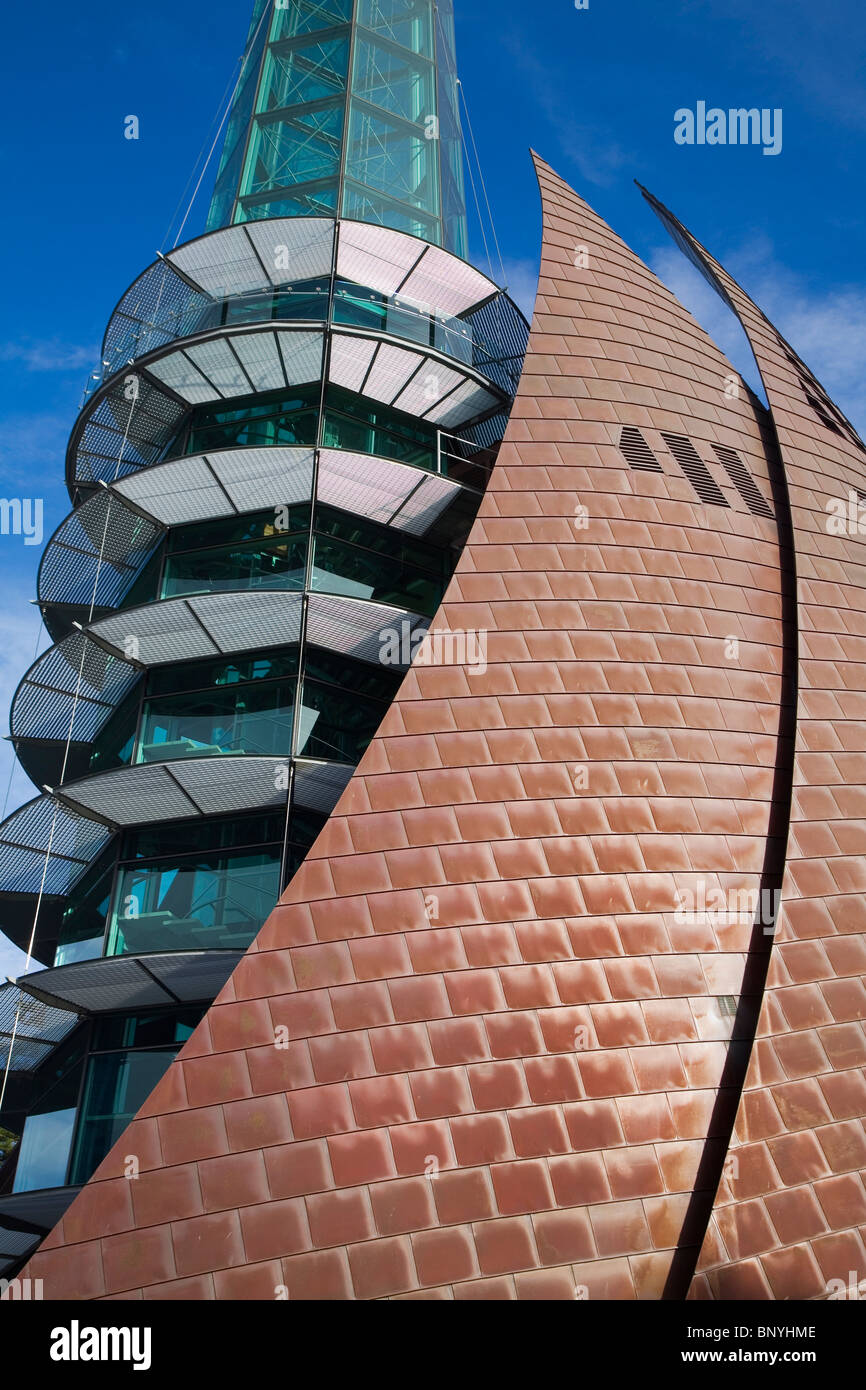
347 108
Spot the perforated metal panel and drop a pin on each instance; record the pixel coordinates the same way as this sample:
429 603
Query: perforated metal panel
25 835
219 364
181 789
349 360
156 633
70 691
381 488
116 983
319 786
354 626
294 248
131 795
376 256
193 975
424 505
178 492
180 373
429 385
258 478
223 264
249 621
72 572
222 785
38 1028
447 283
261 360
302 356
462 405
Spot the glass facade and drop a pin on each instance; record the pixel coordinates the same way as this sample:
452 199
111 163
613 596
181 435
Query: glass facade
182 887
350 555
344 108
91 1088
352 110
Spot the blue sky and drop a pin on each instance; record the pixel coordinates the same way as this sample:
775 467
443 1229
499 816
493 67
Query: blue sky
594 91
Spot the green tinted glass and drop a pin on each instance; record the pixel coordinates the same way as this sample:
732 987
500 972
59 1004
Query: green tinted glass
204 902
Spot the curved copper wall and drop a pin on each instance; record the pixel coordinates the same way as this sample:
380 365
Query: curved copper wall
509 1069
790 1215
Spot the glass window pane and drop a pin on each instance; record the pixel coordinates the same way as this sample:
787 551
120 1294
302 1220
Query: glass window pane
286 151
308 72
393 79
117 1085
247 719
202 903
336 724
82 927
44 1153
316 200
408 23
364 206
393 158
339 568
279 565
293 17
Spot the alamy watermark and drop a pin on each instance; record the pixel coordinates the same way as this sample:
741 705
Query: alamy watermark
737 126
22 516
705 905
406 645
847 516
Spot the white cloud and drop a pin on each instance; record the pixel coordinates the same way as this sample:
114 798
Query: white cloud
692 290
827 328
521 279
589 147
12 961
50 356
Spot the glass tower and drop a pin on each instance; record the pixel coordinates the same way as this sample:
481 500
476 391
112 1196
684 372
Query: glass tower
347 107
272 476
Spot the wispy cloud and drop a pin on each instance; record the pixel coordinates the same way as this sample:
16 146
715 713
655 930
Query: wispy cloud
597 156
826 327
32 449
49 356
521 279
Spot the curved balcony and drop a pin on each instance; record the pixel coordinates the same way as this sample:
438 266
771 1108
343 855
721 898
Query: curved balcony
139 416
38 1027
96 555
38 885
73 689
304 268
124 983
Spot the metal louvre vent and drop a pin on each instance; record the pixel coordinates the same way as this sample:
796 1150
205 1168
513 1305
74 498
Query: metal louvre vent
695 469
743 481
637 451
